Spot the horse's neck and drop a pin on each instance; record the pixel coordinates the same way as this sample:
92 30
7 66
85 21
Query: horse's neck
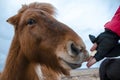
15 64
15 70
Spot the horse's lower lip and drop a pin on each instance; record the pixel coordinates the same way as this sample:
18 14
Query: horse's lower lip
72 65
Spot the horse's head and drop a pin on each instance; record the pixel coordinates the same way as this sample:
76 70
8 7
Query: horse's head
45 40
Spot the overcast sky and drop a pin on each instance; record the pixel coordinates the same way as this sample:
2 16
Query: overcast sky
83 16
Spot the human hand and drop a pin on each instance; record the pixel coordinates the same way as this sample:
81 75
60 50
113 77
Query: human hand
91 61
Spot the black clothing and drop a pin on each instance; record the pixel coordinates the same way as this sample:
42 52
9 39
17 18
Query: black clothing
110 69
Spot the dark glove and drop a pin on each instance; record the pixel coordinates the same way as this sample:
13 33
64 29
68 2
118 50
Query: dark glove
106 42
97 39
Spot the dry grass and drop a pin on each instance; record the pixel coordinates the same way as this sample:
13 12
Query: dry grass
83 74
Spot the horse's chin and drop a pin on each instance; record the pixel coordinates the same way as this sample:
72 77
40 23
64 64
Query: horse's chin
70 65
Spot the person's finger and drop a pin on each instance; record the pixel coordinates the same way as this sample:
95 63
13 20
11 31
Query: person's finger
88 58
91 62
93 47
89 65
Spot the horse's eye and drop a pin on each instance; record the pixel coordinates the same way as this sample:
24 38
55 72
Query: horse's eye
31 22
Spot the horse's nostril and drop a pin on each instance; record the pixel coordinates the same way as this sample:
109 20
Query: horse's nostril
74 49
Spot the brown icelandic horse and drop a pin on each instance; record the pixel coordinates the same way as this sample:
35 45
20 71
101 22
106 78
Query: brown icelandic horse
41 44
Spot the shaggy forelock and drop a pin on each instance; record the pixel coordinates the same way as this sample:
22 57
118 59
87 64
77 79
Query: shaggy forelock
42 6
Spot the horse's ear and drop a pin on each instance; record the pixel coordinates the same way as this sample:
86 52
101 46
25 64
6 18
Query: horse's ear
13 20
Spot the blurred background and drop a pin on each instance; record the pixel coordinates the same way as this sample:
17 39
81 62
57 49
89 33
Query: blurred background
83 16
